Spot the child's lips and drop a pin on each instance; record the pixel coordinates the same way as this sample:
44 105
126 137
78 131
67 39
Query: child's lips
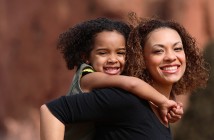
112 70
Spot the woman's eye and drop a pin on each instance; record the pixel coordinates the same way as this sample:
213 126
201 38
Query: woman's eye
157 51
178 49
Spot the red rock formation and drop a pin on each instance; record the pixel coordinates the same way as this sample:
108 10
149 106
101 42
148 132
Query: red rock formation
32 71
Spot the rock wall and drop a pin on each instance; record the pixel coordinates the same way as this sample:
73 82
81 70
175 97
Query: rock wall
32 71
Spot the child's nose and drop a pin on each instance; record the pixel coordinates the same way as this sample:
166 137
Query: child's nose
112 59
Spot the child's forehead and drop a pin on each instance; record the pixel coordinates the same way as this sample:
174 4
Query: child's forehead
107 32
109 36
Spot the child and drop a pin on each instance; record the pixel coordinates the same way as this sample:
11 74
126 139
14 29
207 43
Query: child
100 45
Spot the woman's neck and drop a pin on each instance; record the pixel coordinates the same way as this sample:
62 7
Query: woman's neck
163 89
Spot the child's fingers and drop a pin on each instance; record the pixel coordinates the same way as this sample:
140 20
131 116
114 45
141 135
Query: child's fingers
180 104
176 114
164 116
172 117
169 117
178 110
165 119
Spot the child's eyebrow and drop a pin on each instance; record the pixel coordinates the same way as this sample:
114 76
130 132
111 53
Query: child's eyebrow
122 48
101 49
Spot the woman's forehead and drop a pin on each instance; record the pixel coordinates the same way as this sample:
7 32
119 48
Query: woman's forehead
163 36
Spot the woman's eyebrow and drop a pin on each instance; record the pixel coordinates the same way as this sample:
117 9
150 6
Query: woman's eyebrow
158 45
161 45
179 42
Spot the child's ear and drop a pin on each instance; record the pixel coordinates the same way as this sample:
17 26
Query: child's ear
84 58
87 62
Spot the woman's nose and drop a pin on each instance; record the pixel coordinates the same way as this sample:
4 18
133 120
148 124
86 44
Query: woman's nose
170 56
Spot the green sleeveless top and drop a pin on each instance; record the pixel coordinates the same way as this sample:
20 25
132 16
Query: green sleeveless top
75 88
85 130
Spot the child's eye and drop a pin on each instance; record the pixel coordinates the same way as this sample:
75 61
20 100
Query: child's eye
121 53
102 53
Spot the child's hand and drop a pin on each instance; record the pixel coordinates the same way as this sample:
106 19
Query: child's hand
175 113
165 108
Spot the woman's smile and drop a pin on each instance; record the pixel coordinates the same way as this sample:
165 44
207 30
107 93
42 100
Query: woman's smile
169 69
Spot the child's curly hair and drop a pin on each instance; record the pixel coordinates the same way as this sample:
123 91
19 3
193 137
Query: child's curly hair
77 42
196 74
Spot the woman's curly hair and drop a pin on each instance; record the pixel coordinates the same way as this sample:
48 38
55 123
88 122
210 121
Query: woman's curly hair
196 74
77 42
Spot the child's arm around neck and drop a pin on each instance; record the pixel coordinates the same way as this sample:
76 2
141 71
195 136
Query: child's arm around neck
132 84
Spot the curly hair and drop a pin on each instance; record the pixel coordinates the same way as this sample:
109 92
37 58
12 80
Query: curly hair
78 41
196 74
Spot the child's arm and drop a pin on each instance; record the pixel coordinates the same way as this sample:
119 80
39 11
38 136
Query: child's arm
49 124
131 84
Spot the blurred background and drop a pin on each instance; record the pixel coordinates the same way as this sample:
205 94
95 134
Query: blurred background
33 72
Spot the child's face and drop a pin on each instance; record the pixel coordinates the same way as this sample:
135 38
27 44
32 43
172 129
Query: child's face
108 54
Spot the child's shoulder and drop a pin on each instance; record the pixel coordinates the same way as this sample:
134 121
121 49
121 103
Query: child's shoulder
85 69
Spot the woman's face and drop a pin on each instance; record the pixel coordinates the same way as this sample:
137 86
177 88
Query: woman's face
108 54
164 56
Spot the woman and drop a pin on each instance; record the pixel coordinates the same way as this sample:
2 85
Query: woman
163 54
